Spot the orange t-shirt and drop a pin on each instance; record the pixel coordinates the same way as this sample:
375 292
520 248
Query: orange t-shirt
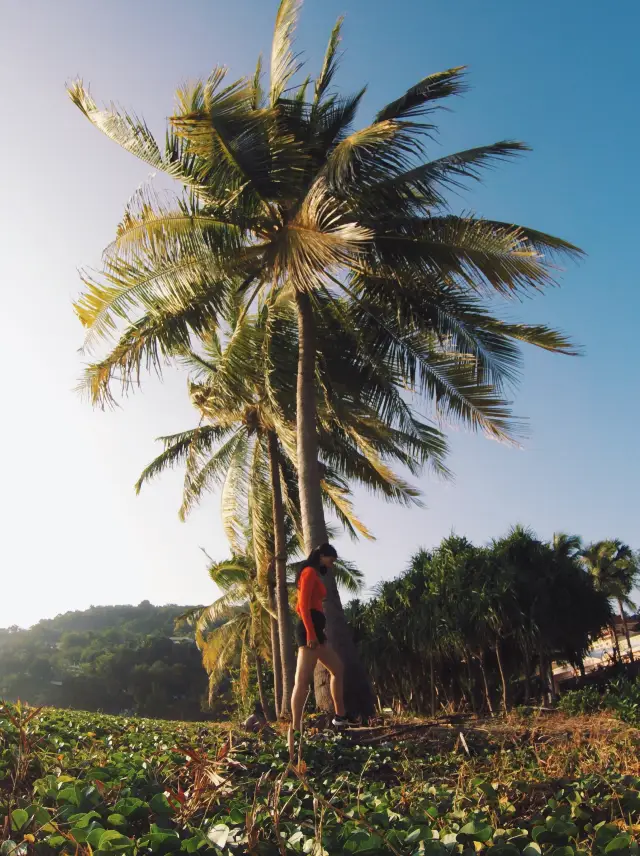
311 593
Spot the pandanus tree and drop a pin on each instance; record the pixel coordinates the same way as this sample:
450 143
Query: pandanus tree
283 197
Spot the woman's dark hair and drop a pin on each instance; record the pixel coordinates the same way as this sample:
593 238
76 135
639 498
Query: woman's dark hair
313 560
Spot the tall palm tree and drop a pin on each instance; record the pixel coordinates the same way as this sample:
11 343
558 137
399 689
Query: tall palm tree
284 200
616 572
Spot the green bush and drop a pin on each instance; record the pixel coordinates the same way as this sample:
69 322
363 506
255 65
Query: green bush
620 697
576 702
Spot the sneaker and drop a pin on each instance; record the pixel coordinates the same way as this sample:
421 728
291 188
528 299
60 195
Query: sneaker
343 721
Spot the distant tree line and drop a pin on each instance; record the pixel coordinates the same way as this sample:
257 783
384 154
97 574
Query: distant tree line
479 627
463 627
114 659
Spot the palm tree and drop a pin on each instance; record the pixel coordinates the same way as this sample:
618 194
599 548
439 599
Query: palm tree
235 628
244 410
616 572
283 200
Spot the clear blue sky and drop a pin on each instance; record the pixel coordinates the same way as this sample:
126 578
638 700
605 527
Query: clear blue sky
561 76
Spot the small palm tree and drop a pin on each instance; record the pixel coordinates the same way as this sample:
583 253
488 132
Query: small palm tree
616 572
235 628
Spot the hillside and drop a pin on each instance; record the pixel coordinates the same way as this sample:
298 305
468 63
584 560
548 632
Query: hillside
114 659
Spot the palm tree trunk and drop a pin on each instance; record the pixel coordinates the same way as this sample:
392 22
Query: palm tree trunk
313 522
616 645
626 629
285 627
275 650
472 695
527 675
261 692
359 697
505 698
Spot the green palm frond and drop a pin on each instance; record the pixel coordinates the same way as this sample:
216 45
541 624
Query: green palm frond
234 493
419 99
133 134
330 64
125 287
422 186
150 222
178 448
336 497
150 343
348 576
284 63
202 476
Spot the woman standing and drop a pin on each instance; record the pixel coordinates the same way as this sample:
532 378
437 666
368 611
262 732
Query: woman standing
312 641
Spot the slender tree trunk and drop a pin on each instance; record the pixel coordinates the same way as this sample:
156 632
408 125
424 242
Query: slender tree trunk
616 645
432 683
527 675
275 648
505 694
472 695
626 629
543 677
546 677
483 672
261 692
313 522
285 627
358 691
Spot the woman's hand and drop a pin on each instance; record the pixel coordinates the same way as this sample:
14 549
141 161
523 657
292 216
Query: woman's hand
312 643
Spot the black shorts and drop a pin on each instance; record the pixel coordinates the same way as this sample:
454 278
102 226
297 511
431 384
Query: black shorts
319 624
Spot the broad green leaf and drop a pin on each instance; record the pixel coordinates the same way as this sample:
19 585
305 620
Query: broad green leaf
161 805
94 836
131 807
618 844
19 819
477 830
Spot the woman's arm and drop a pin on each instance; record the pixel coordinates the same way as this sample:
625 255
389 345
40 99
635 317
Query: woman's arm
307 581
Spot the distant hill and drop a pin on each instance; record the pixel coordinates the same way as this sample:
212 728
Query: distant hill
111 658
129 621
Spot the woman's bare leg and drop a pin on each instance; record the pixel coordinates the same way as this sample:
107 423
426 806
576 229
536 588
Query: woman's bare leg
307 659
333 663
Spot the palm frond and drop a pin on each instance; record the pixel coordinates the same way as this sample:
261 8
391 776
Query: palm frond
336 497
421 185
348 576
284 63
201 476
418 99
150 343
150 225
127 287
133 134
178 447
330 64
